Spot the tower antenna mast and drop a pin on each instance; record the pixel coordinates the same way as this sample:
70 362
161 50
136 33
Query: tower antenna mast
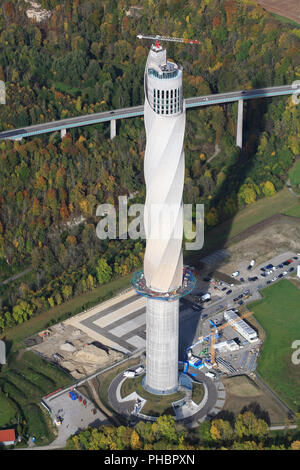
158 38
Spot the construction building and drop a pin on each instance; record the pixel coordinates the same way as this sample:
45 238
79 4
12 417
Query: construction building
240 326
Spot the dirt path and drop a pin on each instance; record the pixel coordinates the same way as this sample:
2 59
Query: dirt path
16 276
216 152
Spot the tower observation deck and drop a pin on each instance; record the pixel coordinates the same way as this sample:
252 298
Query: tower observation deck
164 280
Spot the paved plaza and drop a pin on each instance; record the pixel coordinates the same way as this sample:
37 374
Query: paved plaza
120 323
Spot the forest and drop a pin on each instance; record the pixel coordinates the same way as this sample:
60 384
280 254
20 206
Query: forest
86 58
247 432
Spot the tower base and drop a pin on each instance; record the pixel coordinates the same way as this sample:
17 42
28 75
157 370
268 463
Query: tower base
162 329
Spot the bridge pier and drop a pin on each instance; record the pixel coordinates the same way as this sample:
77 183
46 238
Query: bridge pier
239 129
113 128
63 133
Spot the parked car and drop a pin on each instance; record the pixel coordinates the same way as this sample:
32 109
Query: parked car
295 257
280 275
242 279
291 269
236 299
269 266
268 282
249 267
240 296
235 274
274 279
228 292
241 302
284 273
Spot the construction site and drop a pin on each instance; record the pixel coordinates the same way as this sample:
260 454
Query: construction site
72 350
228 346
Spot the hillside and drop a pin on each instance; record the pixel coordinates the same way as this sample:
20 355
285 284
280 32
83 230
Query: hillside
85 58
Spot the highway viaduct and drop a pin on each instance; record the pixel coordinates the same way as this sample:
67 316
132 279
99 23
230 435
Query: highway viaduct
124 113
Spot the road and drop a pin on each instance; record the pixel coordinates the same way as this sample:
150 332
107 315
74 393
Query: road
190 330
126 407
123 113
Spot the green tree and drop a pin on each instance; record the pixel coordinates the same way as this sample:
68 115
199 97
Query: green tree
103 271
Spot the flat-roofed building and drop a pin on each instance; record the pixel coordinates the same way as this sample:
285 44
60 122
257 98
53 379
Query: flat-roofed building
240 326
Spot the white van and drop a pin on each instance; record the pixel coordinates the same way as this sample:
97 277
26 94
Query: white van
129 373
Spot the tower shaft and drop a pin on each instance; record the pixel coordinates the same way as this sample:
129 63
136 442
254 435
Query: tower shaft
164 115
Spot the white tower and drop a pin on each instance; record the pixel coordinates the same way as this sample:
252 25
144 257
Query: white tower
164 171
164 116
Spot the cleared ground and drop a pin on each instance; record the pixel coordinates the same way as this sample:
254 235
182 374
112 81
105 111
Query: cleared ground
279 315
263 242
240 226
286 8
243 392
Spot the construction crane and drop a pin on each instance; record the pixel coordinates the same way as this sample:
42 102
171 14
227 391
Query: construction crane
213 334
158 38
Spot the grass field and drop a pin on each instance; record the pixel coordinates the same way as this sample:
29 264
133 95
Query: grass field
241 392
197 393
23 383
294 211
156 405
279 314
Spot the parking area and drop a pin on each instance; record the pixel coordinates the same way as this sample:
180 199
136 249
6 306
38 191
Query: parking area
234 353
71 416
247 278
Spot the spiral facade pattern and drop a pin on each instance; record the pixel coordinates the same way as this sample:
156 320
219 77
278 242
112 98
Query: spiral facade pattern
164 115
